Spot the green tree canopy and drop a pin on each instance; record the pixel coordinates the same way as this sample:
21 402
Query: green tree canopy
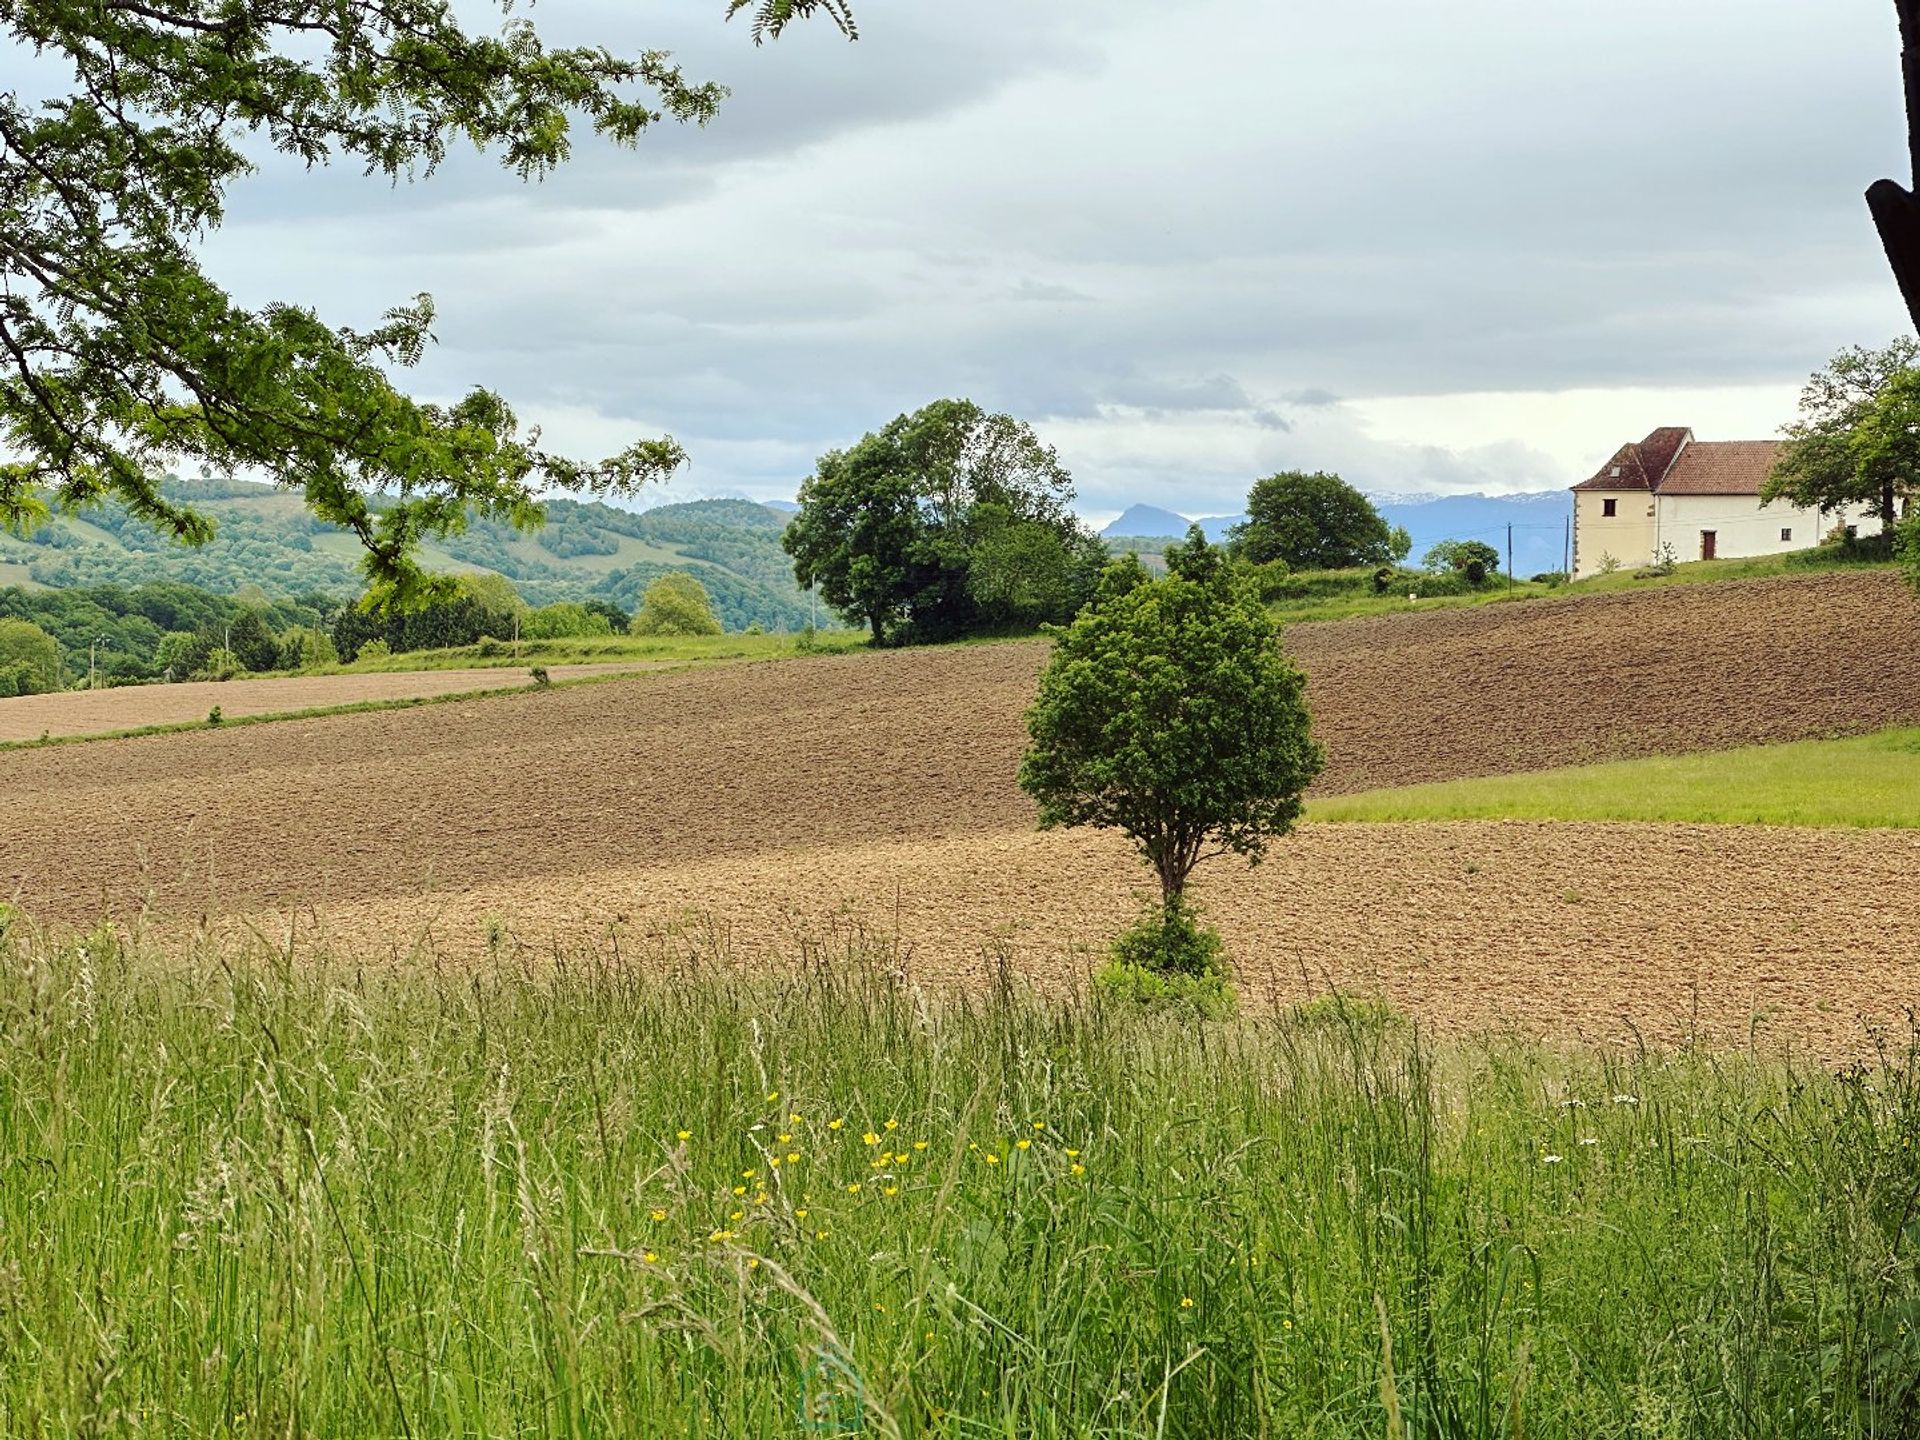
29 659
491 592
892 528
1313 522
1824 463
121 356
1170 713
675 604
1462 555
565 619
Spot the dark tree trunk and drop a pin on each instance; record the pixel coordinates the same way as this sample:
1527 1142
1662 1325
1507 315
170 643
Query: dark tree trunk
1886 506
1895 211
879 636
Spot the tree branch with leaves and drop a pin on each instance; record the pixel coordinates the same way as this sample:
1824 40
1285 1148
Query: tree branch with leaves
121 358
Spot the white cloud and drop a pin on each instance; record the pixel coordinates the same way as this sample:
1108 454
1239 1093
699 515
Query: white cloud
1507 236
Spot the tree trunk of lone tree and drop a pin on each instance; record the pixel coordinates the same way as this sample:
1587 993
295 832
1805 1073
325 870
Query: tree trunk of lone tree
1886 506
878 638
1896 212
1173 872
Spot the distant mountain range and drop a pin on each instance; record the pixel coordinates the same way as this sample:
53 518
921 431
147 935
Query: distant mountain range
1538 518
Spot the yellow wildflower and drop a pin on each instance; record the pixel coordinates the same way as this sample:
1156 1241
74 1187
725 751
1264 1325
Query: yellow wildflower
1023 1144
871 1138
892 1125
835 1124
919 1144
739 1189
649 1257
658 1214
992 1159
793 1157
853 1188
1186 1302
686 1134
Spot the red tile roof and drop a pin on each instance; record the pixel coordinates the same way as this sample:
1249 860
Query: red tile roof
1671 462
1721 467
1641 466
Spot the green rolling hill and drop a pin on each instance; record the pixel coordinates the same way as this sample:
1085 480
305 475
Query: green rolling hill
266 538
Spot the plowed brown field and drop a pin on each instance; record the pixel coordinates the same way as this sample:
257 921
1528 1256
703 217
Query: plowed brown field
131 707
882 784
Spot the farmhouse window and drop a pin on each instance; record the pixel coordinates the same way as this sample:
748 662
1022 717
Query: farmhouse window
1786 532
1609 507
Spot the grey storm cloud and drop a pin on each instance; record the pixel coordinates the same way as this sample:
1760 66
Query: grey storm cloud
1188 239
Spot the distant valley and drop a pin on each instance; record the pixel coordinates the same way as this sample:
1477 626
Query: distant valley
1538 518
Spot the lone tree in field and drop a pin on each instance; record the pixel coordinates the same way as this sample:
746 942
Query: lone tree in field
675 604
120 357
1170 713
1314 522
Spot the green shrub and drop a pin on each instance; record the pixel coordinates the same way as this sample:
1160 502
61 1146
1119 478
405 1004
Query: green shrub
1205 997
1359 1015
1169 960
220 665
374 650
1172 941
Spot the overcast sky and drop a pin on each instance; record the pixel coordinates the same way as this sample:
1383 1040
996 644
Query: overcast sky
1433 247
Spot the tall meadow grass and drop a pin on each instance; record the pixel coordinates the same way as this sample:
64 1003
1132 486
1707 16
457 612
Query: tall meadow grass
263 1194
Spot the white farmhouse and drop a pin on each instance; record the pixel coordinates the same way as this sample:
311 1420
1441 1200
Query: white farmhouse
1701 497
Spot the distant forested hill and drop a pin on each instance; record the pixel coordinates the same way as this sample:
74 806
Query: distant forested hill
266 537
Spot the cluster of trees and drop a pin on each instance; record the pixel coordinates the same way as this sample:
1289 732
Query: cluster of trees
489 607
946 522
29 659
1314 522
148 632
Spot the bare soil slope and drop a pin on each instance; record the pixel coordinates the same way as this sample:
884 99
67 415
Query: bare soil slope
884 782
838 750
132 707
1502 688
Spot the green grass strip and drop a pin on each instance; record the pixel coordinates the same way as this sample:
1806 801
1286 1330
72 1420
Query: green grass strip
1866 781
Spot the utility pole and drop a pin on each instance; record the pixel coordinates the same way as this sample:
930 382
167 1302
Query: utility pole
1509 556
1566 550
92 647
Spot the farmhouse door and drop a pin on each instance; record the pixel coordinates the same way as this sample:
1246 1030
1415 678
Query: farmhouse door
1707 538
